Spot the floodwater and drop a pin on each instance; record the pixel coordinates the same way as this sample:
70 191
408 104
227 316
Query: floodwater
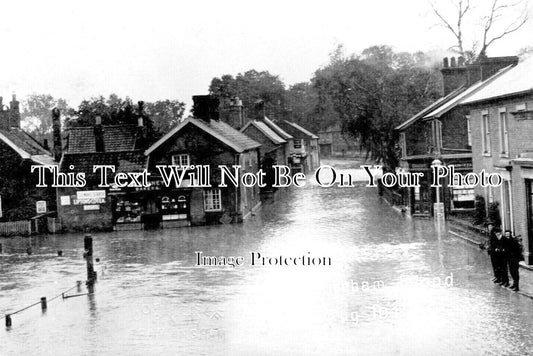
396 286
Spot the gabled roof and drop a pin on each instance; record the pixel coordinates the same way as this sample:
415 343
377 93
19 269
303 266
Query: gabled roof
458 99
26 146
218 129
281 133
429 108
299 128
127 161
267 131
116 138
515 81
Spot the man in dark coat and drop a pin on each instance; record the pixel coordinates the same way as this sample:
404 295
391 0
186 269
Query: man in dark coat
514 256
490 250
500 246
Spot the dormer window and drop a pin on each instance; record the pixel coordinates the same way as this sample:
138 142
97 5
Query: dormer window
181 160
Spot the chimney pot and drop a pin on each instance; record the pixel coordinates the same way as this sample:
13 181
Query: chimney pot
461 61
452 62
445 62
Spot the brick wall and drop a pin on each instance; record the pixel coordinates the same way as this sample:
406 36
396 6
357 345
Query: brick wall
520 140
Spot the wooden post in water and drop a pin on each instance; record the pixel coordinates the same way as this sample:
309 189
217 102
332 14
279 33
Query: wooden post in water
8 321
0 248
43 304
91 275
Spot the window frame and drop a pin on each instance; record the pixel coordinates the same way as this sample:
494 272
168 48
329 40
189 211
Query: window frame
180 156
212 200
486 138
503 120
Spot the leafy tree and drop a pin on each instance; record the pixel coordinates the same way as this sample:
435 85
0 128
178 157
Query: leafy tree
165 114
36 115
162 114
250 87
374 92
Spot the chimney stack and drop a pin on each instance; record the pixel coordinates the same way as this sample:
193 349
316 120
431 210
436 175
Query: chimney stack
205 107
56 132
14 113
99 135
259 110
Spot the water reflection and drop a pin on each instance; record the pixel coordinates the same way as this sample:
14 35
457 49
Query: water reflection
379 296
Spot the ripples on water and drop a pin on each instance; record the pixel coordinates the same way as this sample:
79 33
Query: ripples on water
151 299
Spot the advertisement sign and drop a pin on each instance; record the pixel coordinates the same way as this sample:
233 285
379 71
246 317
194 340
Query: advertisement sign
41 206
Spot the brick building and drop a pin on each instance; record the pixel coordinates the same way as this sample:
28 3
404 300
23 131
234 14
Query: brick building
442 131
96 208
332 142
199 140
501 120
206 140
304 150
19 151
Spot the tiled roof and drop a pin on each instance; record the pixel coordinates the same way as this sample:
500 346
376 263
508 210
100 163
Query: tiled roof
26 146
465 95
302 129
128 161
297 127
430 108
218 129
274 127
116 138
517 80
267 131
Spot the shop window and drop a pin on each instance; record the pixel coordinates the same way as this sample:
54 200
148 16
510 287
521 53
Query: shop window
181 160
174 207
213 200
463 197
127 211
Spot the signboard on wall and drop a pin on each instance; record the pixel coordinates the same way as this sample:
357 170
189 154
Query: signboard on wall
40 206
89 197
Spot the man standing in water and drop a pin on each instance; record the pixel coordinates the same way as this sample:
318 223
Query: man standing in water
500 258
514 256
492 239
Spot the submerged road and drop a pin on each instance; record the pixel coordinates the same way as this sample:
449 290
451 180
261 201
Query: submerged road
387 285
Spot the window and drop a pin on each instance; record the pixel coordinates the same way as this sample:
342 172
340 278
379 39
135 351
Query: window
463 197
297 144
403 144
212 200
504 136
437 135
181 160
469 130
485 122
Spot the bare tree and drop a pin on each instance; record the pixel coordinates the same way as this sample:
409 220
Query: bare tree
454 25
495 22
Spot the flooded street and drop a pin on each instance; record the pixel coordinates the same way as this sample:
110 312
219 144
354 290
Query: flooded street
396 286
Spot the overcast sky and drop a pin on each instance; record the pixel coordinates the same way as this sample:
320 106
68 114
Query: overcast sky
151 50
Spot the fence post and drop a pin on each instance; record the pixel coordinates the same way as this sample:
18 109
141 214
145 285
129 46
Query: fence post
91 275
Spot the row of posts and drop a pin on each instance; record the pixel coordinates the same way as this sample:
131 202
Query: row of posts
91 274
